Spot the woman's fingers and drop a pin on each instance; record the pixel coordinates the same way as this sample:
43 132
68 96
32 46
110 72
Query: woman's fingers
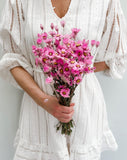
65 115
64 120
66 109
72 104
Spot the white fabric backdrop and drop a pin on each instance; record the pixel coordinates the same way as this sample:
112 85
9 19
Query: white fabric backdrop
115 92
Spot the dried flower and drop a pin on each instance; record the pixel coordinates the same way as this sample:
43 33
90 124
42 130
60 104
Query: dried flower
65 61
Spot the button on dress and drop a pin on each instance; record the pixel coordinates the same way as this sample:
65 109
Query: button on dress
36 137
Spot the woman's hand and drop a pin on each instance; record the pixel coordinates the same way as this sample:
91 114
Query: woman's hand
62 113
26 81
100 66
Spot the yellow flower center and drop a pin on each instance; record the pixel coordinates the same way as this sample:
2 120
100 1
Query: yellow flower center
61 71
85 54
50 53
77 44
66 69
78 80
64 93
72 62
79 53
78 66
62 52
66 59
44 60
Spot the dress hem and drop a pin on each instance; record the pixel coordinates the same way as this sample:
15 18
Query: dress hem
27 151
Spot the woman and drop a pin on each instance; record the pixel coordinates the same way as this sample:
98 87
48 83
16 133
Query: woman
36 137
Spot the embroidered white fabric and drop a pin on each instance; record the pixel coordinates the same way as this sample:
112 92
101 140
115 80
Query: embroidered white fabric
113 48
36 137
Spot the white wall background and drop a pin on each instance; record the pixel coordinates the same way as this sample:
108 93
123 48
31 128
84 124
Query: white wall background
115 92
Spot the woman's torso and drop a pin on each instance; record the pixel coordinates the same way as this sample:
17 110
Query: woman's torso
89 16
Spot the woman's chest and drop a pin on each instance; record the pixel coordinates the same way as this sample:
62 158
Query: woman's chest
61 7
87 15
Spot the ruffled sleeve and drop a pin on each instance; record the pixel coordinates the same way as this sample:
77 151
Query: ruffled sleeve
113 44
12 41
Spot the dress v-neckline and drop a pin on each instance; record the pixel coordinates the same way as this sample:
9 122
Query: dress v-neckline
66 14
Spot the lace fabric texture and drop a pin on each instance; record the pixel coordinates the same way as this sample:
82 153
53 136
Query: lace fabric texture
36 137
11 39
113 48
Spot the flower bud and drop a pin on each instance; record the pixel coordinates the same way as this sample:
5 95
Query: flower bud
97 43
41 26
62 23
93 42
56 28
52 26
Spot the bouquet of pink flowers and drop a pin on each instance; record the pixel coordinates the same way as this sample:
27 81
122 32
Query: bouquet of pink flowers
64 61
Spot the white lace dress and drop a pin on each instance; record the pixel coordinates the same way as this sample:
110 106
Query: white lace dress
36 137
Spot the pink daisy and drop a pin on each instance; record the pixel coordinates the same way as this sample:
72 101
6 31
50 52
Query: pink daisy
44 36
65 92
49 80
77 80
39 41
50 53
46 68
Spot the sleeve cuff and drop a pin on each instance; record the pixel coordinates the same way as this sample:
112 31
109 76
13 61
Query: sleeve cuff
117 67
9 61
